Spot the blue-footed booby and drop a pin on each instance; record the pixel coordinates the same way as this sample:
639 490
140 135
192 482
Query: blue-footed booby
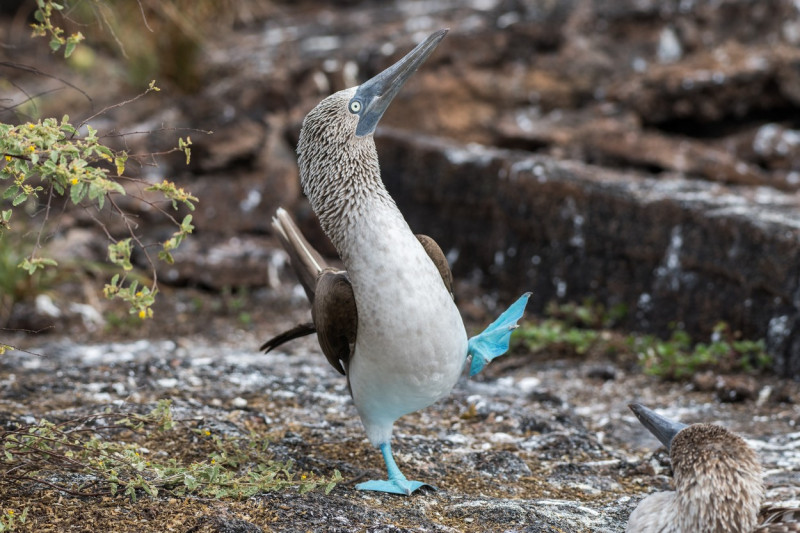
718 484
388 321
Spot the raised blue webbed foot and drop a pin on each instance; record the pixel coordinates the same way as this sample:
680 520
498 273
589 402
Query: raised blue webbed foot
493 341
397 482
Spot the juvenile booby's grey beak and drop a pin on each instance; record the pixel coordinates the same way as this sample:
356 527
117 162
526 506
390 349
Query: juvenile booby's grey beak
374 96
662 428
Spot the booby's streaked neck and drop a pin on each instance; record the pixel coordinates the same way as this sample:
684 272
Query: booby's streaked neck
339 172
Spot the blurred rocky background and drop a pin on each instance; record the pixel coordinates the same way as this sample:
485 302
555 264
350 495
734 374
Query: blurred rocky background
639 153
643 154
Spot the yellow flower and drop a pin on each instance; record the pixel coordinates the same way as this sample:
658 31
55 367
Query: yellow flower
31 148
30 126
208 433
8 158
142 313
139 293
11 511
303 476
213 461
74 181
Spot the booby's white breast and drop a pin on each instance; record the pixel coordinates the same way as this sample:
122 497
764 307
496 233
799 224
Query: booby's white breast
411 343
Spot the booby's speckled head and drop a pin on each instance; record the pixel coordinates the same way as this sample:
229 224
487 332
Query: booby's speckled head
373 97
336 153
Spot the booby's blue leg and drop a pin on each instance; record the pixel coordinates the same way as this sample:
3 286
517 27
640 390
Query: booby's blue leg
397 483
493 341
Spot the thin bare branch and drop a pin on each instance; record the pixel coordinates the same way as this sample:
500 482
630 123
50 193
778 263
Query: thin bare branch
144 17
55 486
113 106
34 70
38 245
135 237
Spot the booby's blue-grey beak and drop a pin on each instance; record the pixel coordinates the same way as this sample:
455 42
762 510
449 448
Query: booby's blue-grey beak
661 427
374 96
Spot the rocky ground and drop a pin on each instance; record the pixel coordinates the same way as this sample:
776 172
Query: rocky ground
641 153
535 444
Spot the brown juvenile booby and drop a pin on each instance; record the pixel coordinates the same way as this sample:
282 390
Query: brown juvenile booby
388 322
718 484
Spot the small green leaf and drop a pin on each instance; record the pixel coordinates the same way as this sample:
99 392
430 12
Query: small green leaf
77 192
70 47
119 162
120 254
21 197
11 191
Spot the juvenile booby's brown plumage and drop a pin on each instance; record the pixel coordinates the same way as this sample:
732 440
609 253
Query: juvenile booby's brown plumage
718 484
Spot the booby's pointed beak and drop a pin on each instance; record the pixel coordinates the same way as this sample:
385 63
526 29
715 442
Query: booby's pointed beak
662 428
374 96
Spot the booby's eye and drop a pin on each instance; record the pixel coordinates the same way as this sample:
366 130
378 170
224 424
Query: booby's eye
355 106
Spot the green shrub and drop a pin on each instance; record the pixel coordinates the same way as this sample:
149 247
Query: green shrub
50 158
678 358
105 454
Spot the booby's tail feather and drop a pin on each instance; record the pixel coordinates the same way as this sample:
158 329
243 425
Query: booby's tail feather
494 340
301 330
306 261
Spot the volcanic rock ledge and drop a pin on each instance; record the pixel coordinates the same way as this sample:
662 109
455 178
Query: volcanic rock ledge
666 246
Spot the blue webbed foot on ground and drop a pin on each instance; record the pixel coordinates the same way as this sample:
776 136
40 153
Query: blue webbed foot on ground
397 482
493 341
394 486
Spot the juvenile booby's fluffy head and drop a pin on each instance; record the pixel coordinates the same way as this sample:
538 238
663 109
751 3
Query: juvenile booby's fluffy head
718 480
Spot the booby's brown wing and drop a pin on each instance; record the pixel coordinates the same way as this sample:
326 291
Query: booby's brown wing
333 305
306 262
300 330
335 317
439 259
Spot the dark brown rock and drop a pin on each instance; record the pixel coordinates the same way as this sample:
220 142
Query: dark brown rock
225 263
668 248
731 81
736 388
236 143
705 381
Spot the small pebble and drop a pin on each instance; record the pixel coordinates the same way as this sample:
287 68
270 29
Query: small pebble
239 402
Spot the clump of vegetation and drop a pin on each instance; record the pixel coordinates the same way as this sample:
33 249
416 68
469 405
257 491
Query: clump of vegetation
112 454
579 328
9 519
678 358
570 327
175 33
49 158
556 334
587 314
